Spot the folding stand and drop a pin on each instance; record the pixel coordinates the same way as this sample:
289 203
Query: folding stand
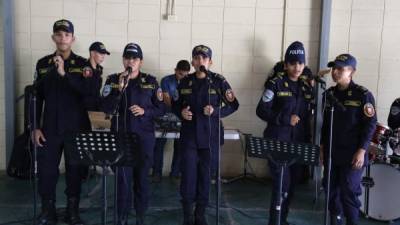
102 149
283 155
246 164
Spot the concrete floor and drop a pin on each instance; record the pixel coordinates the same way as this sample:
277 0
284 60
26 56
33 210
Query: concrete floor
243 202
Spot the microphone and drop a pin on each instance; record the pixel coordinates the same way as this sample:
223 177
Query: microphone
334 100
129 70
203 69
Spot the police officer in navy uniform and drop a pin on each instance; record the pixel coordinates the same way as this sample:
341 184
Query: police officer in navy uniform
198 105
92 71
279 70
354 124
60 86
394 115
169 85
286 107
141 102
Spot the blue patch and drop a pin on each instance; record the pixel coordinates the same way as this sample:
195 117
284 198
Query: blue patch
106 90
268 95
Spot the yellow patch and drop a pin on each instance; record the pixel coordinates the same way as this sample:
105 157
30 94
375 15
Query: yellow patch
284 94
286 84
44 70
352 103
186 91
114 85
212 91
147 86
75 70
306 96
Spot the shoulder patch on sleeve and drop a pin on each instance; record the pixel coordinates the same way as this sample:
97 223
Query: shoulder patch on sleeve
394 110
160 96
106 90
268 95
362 89
369 110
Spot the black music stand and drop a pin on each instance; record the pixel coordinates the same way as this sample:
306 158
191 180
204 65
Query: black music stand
283 155
102 149
246 164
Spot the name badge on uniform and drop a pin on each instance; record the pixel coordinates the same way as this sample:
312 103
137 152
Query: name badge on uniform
44 70
212 91
186 91
284 94
75 70
147 86
352 103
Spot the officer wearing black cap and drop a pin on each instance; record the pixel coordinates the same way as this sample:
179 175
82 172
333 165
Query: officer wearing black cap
92 71
279 70
60 86
354 124
141 102
286 106
198 105
394 115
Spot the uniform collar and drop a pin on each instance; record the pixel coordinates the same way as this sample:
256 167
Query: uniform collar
71 56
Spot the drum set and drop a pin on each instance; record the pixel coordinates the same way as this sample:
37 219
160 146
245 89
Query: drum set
381 180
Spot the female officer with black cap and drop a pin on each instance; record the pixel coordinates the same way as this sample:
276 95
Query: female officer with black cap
141 102
285 106
354 124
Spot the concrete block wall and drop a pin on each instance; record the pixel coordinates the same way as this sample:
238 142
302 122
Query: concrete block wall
370 30
247 38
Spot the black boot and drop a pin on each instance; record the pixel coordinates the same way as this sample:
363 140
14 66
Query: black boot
199 215
122 219
72 215
351 222
139 218
188 214
336 220
48 215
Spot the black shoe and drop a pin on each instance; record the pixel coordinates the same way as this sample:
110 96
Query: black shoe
336 220
72 215
139 219
122 219
156 179
188 218
199 215
48 216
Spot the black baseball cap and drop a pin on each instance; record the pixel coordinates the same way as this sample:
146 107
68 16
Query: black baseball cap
99 47
64 25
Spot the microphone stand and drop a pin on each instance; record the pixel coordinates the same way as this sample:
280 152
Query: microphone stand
33 126
116 114
221 100
333 101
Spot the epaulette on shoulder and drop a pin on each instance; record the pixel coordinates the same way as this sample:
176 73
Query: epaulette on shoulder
219 76
362 89
276 79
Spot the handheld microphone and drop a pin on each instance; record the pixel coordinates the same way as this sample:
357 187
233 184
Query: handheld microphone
129 70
